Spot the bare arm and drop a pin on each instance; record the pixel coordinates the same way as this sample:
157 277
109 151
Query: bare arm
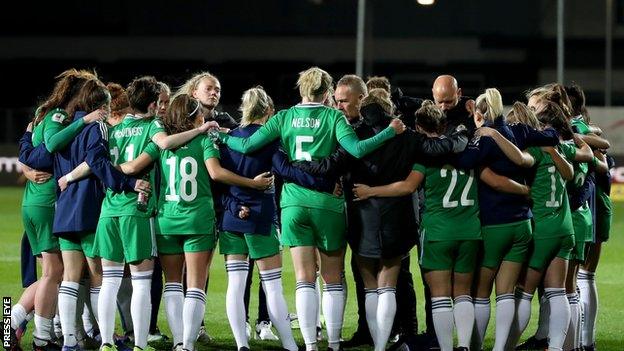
137 165
510 150
601 164
81 171
563 166
166 142
595 141
502 184
220 174
400 188
584 152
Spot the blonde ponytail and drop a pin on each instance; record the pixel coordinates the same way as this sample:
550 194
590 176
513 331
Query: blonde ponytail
254 105
313 83
490 104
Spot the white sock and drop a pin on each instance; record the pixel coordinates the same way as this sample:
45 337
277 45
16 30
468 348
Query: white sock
277 307
319 297
522 305
571 335
559 317
124 299
370 304
589 298
141 305
386 309
235 308
87 321
505 313
56 332
94 297
67 300
307 311
192 316
83 296
333 309
41 334
544 317
18 315
173 297
442 311
482 318
111 280
345 288
464 316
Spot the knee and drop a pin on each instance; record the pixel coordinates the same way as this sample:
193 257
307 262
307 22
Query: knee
54 273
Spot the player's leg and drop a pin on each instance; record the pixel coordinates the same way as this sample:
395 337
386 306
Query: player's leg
463 274
589 294
73 262
198 255
386 299
234 248
368 270
265 250
297 234
560 312
171 256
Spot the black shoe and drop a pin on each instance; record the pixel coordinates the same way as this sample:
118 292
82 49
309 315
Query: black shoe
591 347
359 338
49 346
461 348
14 343
433 344
244 348
338 349
533 344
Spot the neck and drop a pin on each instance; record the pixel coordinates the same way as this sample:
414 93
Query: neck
307 100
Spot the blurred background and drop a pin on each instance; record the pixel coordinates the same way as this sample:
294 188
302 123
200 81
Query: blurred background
512 45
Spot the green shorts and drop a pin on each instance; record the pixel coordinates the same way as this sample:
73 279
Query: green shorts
85 244
125 239
257 246
604 216
543 251
506 242
304 226
181 243
582 222
38 226
450 255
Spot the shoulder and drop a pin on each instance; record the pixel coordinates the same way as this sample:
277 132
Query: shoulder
97 129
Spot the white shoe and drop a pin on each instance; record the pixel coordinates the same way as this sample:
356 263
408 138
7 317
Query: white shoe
264 331
203 336
177 347
248 330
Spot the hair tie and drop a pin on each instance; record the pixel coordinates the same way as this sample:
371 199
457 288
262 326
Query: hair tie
195 110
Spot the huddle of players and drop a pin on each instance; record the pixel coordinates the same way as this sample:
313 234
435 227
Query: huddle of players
466 223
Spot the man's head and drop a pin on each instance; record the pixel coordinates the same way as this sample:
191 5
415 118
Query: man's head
445 92
350 90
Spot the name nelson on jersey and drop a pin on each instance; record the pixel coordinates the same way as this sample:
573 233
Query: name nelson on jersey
306 122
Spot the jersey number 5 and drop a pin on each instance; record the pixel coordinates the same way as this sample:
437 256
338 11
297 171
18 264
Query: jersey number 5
299 153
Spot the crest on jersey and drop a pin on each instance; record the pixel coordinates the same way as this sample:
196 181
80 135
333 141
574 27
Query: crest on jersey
58 117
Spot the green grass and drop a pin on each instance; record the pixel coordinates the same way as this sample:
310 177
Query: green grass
610 323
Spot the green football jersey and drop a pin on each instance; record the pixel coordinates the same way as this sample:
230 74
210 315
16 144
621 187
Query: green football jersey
44 194
309 132
126 141
185 185
568 149
580 125
451 204
551 209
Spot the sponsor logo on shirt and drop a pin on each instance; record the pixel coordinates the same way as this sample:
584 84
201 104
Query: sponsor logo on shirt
58 117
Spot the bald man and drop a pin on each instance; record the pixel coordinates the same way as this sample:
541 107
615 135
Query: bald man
447 95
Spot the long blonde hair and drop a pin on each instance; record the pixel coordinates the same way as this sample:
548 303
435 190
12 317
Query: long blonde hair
490 104
523 114
254 105
191 85
313 83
